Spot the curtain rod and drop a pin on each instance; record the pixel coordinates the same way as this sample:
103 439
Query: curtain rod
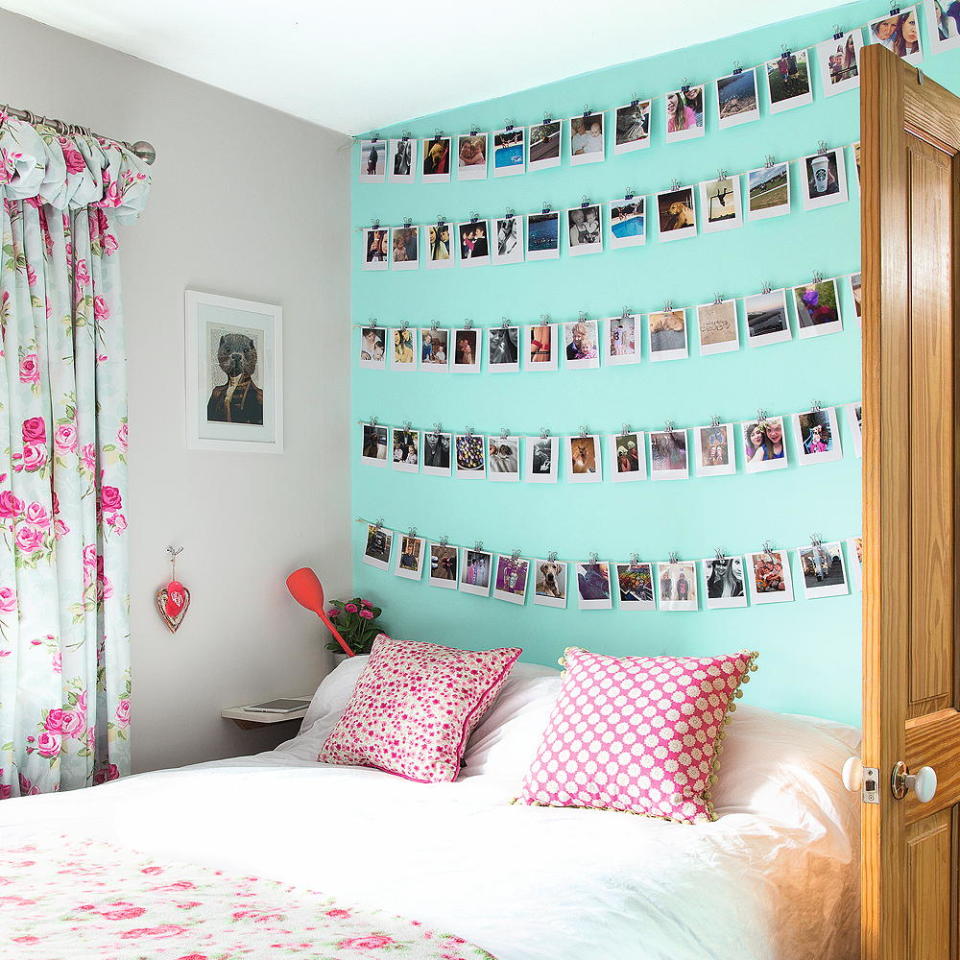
145 151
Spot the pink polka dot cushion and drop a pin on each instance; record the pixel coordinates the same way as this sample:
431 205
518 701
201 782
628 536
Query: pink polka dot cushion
638 734
414 706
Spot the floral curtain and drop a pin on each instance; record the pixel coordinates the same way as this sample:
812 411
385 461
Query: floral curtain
64 624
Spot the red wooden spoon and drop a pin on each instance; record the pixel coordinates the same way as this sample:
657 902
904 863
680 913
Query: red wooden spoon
306 589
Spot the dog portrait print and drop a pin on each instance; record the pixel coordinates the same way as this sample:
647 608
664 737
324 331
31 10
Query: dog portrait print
233 356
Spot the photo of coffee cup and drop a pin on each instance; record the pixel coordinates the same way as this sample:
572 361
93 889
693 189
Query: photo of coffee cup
821 173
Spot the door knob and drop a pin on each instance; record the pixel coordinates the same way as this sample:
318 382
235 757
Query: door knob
860 779
852 774
923 783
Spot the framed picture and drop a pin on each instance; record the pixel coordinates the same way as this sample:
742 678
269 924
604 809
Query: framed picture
234 374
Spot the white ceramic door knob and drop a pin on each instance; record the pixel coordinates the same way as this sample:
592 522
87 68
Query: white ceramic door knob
852 774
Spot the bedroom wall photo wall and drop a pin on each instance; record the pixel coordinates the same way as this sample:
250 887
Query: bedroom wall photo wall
810 647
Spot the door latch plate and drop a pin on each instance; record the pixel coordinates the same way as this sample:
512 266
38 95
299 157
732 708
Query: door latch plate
870 792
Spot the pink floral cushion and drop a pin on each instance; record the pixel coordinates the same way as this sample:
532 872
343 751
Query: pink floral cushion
638 734
415 705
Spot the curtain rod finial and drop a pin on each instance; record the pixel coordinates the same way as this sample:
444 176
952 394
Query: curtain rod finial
145 151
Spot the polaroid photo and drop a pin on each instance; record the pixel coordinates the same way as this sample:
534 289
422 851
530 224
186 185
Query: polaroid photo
438 241
720 204
586 138
511 580
540 459
788 81
723 583
476 569
584 459
373 354
543 235
503 351
467 345
626 457
376 254
373 444
443 566
943 25
713 450
582 346
403 355
623 340
509 152
632 127
584 229
408 560
683 114
544 140
593 586
737 100
854 412
550 583
377 551
718 327
373 161
899 33
503 458
825 179
769 576
856 161
839 59
669 459
406 450
474 243
816 436
635 586
403 161
436 453
823 572
768 191
677 585
405 248
472 156
507 240
628 222
667 335
764 446
434 349
469 462
767 320
677 214
855 557
818 309
436 160
856 294
541 346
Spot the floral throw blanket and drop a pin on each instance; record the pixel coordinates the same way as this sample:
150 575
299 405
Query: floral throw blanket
63 899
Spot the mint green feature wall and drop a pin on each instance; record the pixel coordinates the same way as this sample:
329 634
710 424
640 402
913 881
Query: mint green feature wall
810 649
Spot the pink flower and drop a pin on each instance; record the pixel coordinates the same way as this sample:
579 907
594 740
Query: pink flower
56 664
110 772
65 438
366 603
109 244
34 456
373 941
123 712
366 614
48 744
72 723
89 554
54 721
124 911
350 608
122 436
27 788
88 456
6 791
333 613
110 498
33 430
30 369
10 505
26 938
152 870
31 276
37 513
28 539
100 309
60 529
8 600
81 275
72 156
339 914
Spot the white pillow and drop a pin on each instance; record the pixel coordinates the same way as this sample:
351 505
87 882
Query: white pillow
334 692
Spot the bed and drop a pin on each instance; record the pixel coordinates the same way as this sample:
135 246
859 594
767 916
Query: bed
524 883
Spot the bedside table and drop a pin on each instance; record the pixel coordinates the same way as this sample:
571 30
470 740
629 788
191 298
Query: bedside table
249 719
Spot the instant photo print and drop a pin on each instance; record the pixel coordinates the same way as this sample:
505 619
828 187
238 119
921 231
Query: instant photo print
509 152
507 240
544 140
476 571
586 139
943 32
376 553
581 346
438 245
764 445
854 413
855 558
543 235
677 586
632 127
683 114
467 346
788 81
767 320
434 349
583 456
373 444
511 579
769 576
437 456
541 346
677 214
541 458
667 335
737 100
825 179
436 160
373 351
816 436
472 156
818 309
669 458
635 589
376 252
822 570
714 450
443 570
584 229
622 337
373 161
839 59
718 327
402 163
899 33
768 191
404 248
503 458
550 583
403 355
626 457
474 239
593 586
406 450
720 204
723 583
503 351
627 222
408 559
469 462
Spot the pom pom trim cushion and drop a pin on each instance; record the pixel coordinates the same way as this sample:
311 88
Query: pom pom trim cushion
414 707
637 734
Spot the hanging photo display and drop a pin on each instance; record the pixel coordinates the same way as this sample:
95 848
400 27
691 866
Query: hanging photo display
669 459
584 232
677 214
503 458
436 453
541 345
825 182
541 460
503 351
508 240
404 248
635 586
856 294
720 204
723 583
667 335
406 450
581 344
437 245
768 191
718 327
818 309
403 160
436 160
839 59
467 348
550 583
764 446
788 81
472 156
628 222
434 348
593 586
713 450
855 556
899 32
677 585
511 579
683 114
586 138
770 578
373 444
373 161
822 570
443 566
377 551
632 127
474 246
469 462
767 320
544 140
376 253
476 568
543 235
855 425
737 100
943 25
817 436
623 340
508 152
372 348
583 459
408 562
626 458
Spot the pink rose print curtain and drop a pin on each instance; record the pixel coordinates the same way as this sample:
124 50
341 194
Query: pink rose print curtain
64 634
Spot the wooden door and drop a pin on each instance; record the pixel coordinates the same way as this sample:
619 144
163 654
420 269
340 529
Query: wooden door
910 139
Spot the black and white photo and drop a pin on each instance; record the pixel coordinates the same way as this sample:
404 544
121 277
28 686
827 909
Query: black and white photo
402 162
723 583
541 456
503 351
507 240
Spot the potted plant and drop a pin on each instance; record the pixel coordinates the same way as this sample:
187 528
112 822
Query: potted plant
356 620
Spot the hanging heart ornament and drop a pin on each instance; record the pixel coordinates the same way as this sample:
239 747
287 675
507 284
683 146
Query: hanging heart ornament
173 601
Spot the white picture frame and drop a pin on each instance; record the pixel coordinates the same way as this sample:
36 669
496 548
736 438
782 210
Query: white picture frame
207 318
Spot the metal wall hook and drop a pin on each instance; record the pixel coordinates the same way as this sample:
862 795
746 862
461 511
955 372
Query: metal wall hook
412 532
504 433
767 549
478 546
719 554
552 556
715 422
544 433
815 406
816 540
594 558
674 557
584 430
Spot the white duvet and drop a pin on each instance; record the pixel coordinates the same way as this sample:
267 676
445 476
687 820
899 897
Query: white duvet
775 878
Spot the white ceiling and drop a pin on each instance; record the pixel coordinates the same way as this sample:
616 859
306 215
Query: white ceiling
356 65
